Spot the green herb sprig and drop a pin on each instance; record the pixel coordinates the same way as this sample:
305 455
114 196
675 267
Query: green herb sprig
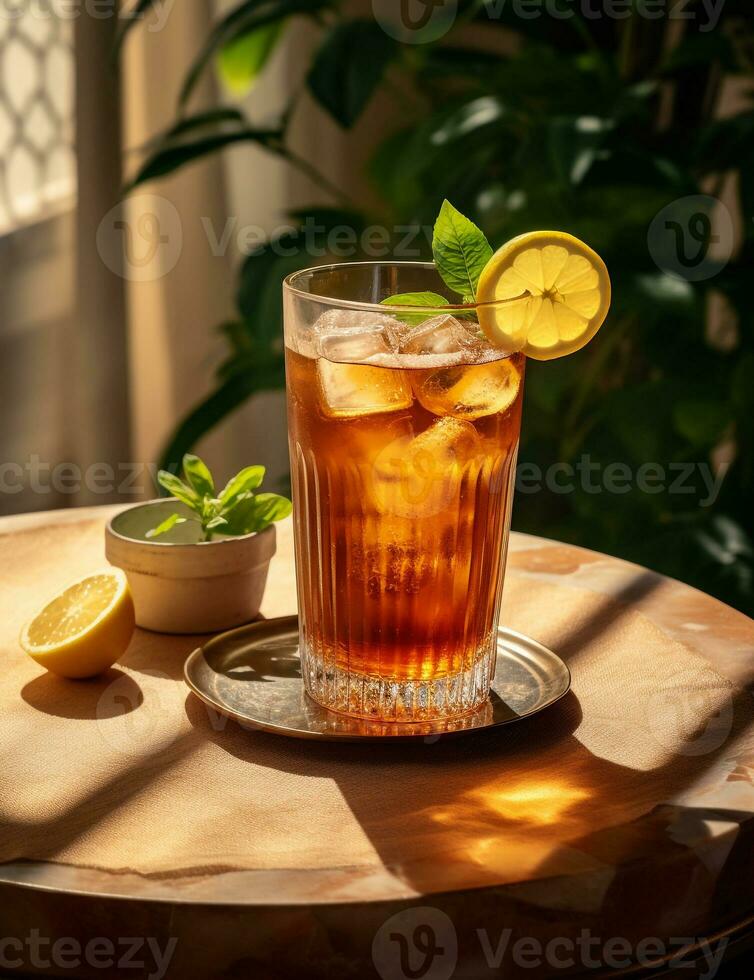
461 251
235 511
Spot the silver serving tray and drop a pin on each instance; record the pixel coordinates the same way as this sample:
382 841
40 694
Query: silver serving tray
253 675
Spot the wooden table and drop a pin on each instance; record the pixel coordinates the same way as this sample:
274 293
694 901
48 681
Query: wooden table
583 828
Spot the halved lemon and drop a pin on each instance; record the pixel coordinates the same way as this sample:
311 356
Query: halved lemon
550 291
84 629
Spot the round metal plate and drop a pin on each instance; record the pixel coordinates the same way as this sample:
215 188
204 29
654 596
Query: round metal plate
253 675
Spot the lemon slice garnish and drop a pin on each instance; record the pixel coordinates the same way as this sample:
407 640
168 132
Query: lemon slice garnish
85 628
547 294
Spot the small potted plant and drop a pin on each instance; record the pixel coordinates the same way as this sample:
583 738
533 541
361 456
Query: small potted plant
197 562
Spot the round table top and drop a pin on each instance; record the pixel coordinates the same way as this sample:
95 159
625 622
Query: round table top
629 805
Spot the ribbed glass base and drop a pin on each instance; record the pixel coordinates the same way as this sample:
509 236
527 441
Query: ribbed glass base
385 699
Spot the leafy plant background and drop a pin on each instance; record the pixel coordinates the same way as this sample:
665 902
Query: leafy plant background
587 125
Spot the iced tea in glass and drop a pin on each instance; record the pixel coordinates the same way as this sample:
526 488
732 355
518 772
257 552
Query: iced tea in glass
403 428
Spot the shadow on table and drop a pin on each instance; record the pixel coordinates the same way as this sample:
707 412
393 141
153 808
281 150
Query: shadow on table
164 653
161 653
83 699
523 802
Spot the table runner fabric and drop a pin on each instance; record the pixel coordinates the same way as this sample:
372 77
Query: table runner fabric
131 773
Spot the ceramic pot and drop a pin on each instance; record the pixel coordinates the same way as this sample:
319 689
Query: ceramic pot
184 585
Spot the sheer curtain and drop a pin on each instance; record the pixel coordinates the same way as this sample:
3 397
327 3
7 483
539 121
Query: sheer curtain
178 290
37 255
64 425
105 339
172 319
108 312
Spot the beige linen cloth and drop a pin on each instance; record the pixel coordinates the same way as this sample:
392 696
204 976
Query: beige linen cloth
132 773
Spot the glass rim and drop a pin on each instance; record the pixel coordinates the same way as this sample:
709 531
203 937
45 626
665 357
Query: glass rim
289 284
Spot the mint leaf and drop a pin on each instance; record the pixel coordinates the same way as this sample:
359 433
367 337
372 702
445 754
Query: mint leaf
460 249
178 489
256 512
198 475
425 300
216 521
166 525
242 483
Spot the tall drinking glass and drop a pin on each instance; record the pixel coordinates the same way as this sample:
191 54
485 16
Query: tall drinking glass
403 430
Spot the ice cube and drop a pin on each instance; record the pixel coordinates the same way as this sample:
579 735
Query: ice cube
442 334
354 336
447 442
470 391
415 477
349 391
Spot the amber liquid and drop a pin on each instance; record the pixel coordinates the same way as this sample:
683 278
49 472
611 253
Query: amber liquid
401 525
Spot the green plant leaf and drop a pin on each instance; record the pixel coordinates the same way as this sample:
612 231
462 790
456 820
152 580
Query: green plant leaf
271 507
256 512
172 154
178 489
241 21
198 475
242 483
216 521
212 117
426 300
167 524
461 250
460 142
242 60
349 66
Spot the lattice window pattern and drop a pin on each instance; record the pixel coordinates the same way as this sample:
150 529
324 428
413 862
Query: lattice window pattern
37 163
